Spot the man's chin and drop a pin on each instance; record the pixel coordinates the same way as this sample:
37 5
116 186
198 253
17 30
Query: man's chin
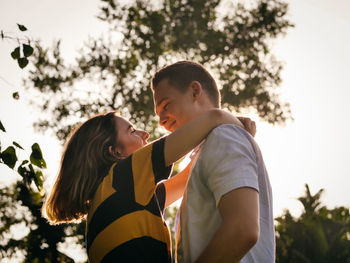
172 127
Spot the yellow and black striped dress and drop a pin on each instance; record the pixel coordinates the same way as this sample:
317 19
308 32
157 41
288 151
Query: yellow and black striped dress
125 222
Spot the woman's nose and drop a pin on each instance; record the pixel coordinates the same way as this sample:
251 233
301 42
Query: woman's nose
144 135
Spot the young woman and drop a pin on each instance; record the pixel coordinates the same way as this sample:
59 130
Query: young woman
110 174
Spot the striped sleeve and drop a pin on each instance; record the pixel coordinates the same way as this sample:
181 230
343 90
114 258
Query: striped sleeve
148 168
160 171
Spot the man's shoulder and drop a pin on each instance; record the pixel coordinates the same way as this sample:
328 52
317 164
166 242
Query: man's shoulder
224 139
227 131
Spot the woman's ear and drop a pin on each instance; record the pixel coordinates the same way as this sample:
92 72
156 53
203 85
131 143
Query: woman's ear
112 152
115 153
196 89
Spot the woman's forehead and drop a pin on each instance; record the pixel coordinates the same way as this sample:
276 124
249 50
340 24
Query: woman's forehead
121 122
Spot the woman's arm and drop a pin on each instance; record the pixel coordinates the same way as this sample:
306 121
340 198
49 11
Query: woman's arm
175 186
184 139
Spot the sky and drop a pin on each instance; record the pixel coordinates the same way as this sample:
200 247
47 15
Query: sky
312 149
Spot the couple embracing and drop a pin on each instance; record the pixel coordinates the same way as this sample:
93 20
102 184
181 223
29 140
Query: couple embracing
112 176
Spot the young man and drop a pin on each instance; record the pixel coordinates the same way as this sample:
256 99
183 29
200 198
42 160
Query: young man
226 211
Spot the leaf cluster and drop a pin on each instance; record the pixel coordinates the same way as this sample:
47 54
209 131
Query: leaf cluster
23 50
318 235
30 170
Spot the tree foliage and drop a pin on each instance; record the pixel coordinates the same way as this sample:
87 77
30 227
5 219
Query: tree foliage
24 48
318 235
30 170
114 70
20 206
170 219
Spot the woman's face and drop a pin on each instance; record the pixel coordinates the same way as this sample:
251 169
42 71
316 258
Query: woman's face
129 139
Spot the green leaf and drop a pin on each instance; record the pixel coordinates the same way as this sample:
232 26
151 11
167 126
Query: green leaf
2 127
9 157
29 177
15 54
36 156
39 180
24 171
22 62
15 95
27 50
21 27
31 168
17 145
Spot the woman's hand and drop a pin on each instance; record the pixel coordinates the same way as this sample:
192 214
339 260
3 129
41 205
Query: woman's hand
243 122
249 125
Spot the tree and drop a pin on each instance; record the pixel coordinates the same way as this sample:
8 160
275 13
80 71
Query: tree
318 235
113 71
20 205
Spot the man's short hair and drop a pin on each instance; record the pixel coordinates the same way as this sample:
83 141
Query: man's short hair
182 73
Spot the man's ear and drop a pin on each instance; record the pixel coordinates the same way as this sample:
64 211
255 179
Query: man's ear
196 89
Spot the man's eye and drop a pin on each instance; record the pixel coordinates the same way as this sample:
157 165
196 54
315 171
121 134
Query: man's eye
166 106
133 130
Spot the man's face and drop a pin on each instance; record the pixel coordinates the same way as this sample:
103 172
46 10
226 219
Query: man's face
173 107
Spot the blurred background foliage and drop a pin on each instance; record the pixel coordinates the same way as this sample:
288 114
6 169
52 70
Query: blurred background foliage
319 235
114 71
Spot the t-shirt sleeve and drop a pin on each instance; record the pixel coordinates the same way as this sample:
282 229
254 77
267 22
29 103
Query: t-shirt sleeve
148 168
228 161
160 171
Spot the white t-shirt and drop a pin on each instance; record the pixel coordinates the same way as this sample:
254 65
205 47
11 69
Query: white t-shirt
229 159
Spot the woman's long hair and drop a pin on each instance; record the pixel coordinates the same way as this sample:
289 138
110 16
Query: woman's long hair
85 161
